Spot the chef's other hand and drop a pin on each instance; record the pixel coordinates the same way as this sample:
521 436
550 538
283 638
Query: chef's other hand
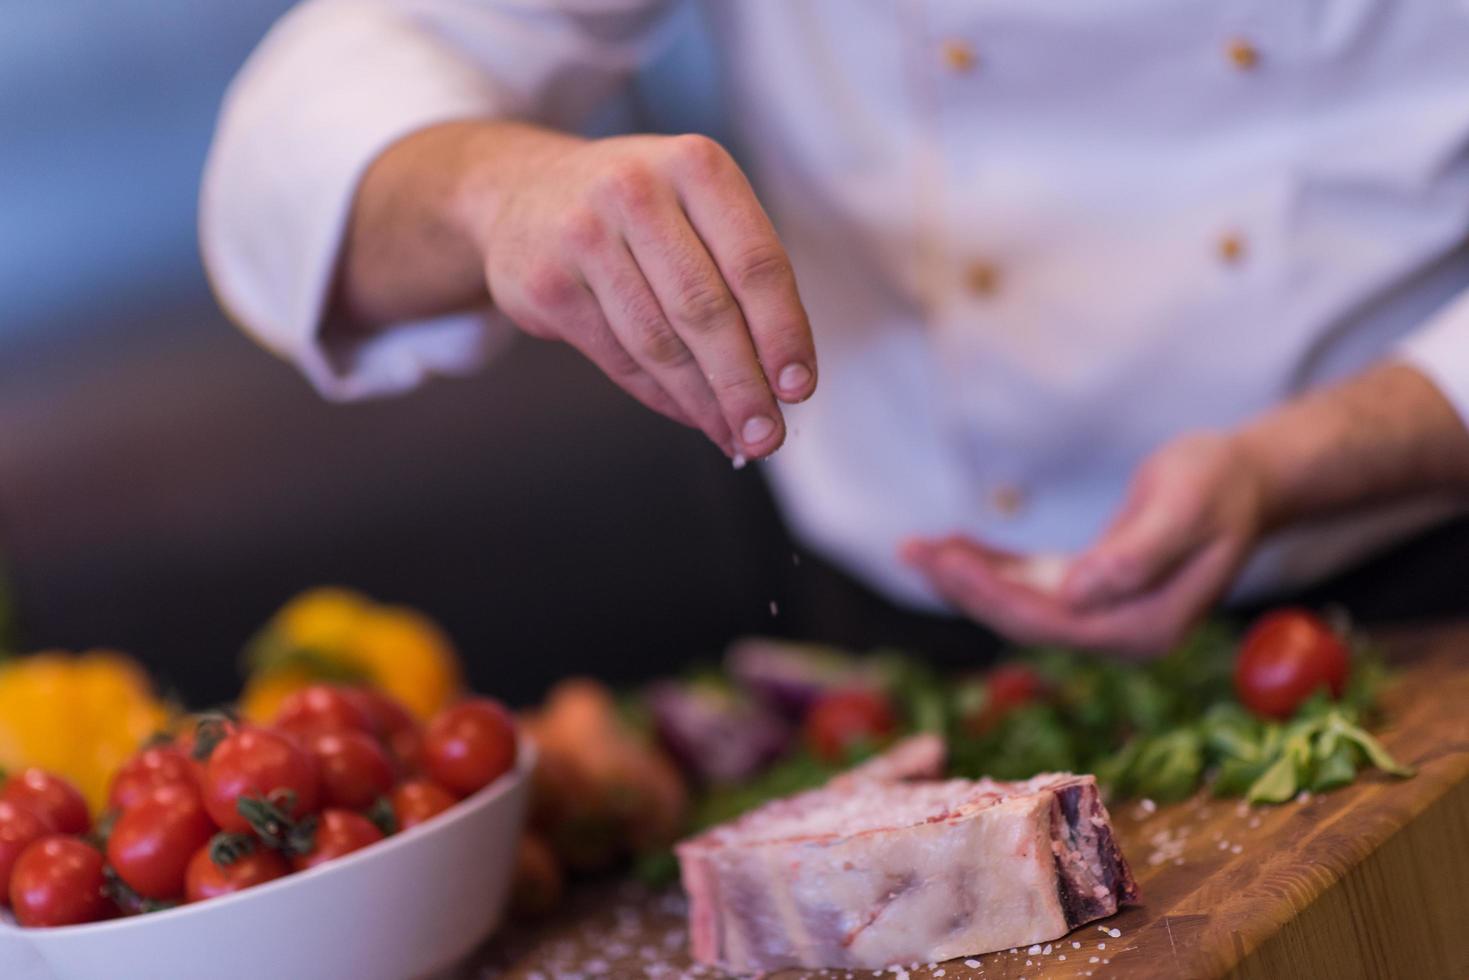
1191 516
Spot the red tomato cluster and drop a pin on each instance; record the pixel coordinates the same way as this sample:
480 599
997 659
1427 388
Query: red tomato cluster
230 805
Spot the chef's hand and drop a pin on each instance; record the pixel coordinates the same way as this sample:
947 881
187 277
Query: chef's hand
1191 516
649 254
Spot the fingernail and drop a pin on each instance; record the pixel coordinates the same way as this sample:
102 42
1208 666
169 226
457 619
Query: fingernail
794 378
757 429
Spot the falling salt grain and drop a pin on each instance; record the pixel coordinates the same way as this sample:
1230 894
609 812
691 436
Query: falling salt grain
1147 805
739 461
774 609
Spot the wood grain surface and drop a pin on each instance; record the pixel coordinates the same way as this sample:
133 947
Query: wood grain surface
1368 881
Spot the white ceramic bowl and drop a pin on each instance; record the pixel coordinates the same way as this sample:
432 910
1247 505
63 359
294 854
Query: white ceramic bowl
409 906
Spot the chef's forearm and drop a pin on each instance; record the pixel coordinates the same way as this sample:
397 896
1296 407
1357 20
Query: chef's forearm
1385 434
411 249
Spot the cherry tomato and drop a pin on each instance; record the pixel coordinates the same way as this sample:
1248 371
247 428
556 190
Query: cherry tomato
51 797
159 765
18 828
395 725
417 800
206 879
355 769
322 708
338 832
469 745
840 720
57 881
1287 656
152 841
1006 687
258 762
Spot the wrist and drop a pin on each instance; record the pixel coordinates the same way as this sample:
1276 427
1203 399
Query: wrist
494 162
1265 461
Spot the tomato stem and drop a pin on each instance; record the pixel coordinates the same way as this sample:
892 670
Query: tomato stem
381 814
226 848
270 818
212 728
128 900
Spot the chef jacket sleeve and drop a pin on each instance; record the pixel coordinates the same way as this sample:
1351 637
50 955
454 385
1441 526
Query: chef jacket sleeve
333 84
1440 349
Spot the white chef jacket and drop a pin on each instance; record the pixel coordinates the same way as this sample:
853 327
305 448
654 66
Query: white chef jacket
1036 238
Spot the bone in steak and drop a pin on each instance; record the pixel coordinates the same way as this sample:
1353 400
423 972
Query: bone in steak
870 870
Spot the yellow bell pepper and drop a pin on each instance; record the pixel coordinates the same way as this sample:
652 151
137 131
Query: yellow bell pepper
336 634
78 716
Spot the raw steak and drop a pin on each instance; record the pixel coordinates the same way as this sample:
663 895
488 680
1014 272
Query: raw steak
870 871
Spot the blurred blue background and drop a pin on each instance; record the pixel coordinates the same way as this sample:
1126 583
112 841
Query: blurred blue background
106 109
165 485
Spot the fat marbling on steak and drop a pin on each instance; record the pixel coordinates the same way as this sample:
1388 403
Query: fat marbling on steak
886 864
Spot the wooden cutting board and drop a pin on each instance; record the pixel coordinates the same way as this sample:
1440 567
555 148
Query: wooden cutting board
1368 881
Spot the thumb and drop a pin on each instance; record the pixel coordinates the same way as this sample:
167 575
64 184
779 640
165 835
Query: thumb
1150 537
